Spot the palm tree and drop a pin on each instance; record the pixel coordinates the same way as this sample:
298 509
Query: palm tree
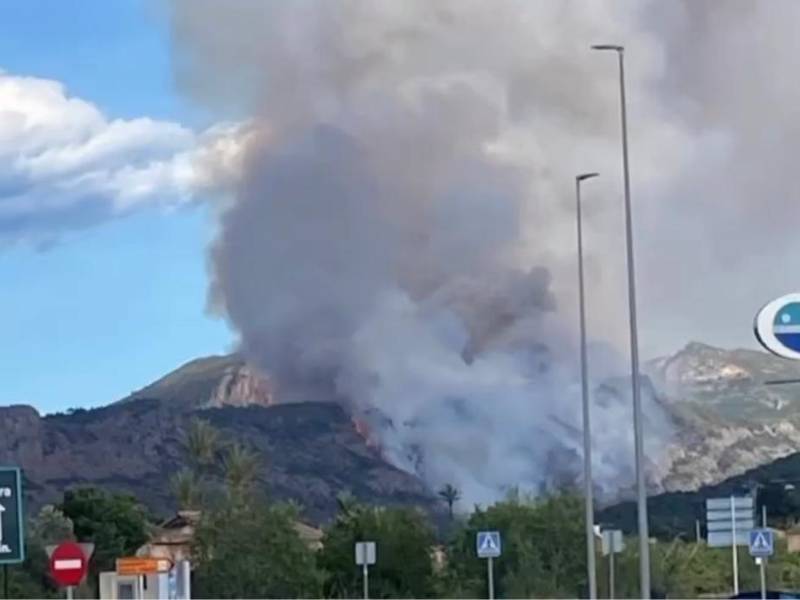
187 489
240 466
347 503
202 443
451 495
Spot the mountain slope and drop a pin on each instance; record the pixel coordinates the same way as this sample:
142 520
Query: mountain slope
776 485
311 452
210 382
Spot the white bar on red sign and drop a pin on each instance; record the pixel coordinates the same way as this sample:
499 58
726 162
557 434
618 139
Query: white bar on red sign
68 564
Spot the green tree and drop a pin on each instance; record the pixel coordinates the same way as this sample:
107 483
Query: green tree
188 489
450 494
202 444
116 523
404 541
543 549
253 551
240 466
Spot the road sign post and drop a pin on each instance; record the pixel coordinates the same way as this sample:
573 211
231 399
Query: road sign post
68 565
489 547
729 520
762 546
12 539
365 556
612 544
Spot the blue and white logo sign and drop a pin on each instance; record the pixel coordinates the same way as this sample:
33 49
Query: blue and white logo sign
777 326
762 543
488 544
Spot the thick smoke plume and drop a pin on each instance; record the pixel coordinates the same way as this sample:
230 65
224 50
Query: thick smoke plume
402 237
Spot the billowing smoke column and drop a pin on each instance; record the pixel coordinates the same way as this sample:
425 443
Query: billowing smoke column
407 181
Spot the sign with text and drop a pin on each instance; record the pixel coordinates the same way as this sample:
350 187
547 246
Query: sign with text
729 517
142 565
12 539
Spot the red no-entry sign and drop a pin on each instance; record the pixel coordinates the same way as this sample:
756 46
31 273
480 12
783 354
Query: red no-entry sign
68 564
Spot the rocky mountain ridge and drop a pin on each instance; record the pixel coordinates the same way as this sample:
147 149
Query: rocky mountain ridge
725 421
310 452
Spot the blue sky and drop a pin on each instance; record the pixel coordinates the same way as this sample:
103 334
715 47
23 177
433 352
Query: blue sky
105 309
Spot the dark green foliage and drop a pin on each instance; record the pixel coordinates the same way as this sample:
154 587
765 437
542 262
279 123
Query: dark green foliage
116 523
543 550
404 542
253 551
776 486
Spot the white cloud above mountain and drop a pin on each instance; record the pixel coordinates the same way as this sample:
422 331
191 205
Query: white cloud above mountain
64 164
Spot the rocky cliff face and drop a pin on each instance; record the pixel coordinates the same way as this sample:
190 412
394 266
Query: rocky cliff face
729 420
211 382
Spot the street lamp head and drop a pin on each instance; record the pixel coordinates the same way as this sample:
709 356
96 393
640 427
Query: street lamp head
583 176
608 47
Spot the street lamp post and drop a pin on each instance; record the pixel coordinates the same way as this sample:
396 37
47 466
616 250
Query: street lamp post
587 432
641 491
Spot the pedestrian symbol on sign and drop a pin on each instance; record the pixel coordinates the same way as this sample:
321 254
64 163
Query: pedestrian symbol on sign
762 543
488 544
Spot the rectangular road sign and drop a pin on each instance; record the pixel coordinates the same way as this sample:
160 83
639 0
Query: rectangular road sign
12 538
723 539
612 542
762 543
136 565
488 544
741 525
739 503
365 553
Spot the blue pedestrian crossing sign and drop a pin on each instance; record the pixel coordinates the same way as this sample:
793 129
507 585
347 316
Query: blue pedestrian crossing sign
488 543
762 543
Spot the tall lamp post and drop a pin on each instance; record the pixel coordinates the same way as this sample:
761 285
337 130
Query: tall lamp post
587 431
641 491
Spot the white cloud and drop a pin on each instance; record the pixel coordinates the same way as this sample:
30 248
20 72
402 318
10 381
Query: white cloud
64 164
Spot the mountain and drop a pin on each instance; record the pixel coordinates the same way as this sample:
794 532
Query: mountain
211 382
311 452
727 419
728 386
721 417
775 485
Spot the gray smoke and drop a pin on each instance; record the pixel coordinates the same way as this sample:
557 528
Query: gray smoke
402 238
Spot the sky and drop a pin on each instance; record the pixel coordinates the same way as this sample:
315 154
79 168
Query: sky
116 160
93 313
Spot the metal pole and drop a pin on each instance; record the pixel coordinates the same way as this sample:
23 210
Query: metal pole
587 431
69 592
641 490
490 568
764 516
611 572
366 579
734 548
697 531
762 564
5 582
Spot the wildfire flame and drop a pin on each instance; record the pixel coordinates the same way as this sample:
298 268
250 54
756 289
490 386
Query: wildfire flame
364 431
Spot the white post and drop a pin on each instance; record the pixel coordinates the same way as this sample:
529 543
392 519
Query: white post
366 579
490 567
734 548
611 573
69 592
762 564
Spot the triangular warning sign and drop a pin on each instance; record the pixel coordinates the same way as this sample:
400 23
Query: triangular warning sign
488 544
760 543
